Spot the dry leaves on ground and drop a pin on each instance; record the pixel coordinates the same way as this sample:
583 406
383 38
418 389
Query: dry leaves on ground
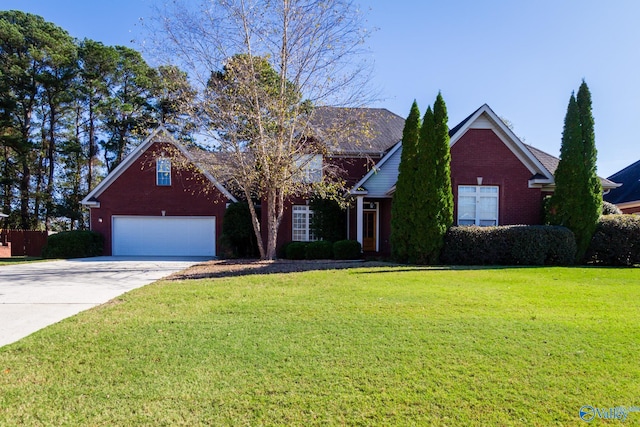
239 267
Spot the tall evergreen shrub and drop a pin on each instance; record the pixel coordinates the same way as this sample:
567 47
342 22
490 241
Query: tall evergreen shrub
402 208
577 200
433 177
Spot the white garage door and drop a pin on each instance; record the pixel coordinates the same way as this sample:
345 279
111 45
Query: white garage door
164 236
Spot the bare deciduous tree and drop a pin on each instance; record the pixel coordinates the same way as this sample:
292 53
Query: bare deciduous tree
260 66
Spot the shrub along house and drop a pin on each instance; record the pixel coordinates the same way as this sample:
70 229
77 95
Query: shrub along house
157 202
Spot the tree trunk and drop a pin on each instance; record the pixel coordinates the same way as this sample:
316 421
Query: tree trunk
92 150
272 231
275 210
24 195
255 221
39 174
51 159
8 178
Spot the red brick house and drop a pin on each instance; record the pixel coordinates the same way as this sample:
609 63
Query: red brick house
496 180
158 203
154 204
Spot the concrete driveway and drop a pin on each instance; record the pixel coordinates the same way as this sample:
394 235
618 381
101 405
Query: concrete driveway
38 294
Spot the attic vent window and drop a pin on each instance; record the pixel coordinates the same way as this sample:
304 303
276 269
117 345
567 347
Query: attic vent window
309 168
163 172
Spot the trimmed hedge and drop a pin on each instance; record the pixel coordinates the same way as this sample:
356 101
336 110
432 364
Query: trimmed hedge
321 249
73 244
296 250
281 252
610 209
347 249
509 245
616 241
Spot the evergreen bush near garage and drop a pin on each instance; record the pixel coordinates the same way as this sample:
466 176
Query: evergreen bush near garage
509 245
347 249
238 239
296 250
616 241
322 249
73 244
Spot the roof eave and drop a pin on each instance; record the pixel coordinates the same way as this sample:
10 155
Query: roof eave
90 203
541 183
552 185
377 167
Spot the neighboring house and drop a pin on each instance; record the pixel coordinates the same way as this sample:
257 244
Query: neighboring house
496 180
157 202
627 196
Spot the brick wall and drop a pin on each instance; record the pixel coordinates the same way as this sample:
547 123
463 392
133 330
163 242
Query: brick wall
350 169
481 153
135 193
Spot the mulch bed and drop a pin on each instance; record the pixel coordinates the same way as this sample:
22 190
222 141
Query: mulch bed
241 267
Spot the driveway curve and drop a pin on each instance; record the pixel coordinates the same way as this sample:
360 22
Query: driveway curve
38 294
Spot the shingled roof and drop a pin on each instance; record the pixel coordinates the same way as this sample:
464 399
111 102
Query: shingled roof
551 163
548 161
371 131
629 191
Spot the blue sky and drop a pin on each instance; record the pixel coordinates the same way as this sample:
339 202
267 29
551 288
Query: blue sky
523 58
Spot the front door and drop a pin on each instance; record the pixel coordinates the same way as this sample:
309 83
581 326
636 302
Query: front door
369 231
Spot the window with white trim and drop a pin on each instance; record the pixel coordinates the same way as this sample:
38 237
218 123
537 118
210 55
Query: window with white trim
477 205
301 220
309 168
163 172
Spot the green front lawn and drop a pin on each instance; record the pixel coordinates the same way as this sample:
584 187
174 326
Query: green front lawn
372 346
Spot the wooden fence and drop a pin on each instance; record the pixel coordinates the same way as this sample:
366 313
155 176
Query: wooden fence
24 242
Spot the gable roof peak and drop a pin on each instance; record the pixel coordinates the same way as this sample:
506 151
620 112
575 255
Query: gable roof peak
155 136
510 139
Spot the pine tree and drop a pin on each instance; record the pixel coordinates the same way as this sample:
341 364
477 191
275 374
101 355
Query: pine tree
402 207
577 200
